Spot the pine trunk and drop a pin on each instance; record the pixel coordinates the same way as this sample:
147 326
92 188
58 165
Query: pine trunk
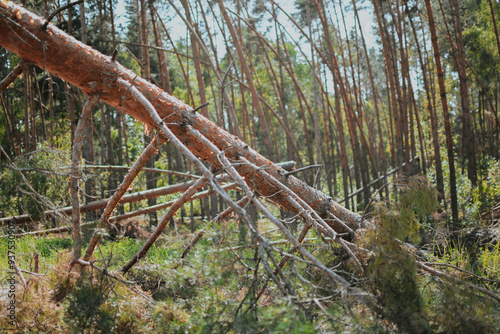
97 74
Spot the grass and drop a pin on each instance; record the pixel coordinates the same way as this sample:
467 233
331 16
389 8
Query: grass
49 250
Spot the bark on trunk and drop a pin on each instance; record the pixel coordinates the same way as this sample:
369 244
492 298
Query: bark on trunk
468 135
253 90
61 55
432 115
12 76
197 61
75 175
446 114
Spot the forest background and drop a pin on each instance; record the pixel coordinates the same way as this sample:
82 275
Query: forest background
380 102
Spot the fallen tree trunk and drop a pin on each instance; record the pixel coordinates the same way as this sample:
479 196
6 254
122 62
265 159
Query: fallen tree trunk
96 205
61 229
23 33
130 198
199 195
161 206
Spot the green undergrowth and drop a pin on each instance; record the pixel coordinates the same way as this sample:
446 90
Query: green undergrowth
49 250
222 286
208 292
416 301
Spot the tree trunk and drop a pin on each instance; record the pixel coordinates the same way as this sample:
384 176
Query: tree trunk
468 136
13 75
343 150
253 91
197 61
146 74
432 116
97 74
446 114
26 112
83 24
390 78
381 148
75 175
162 60
11 128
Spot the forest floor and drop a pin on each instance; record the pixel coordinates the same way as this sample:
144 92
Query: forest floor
217 289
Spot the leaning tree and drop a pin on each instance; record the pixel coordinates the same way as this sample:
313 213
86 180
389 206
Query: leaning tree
101 77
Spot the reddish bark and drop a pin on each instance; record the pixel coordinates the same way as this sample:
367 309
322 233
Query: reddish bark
197 61
446 114
16 72
95 73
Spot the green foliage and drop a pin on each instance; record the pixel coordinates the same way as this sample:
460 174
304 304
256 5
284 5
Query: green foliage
417 199
168 283
281 318
203 293
490 263
479 39
481 199
170 318
420 303
35 191
46 248
487 193
456 309
50 250
392 269
86 307
120 251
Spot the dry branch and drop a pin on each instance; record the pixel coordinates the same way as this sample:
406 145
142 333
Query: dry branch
164 221
458 281
18 271
130 198
132 286
13 75
156 48
199 195
156 170
48 231
192 243
117 196
161 206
